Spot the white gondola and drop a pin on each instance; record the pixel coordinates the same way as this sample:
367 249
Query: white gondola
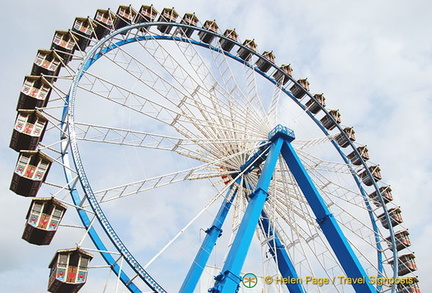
28 130
410 286
342 141
43 220
64 45
206 36
317 105
232 36
147 13
357 160
281 77
246 53
34 93
69 269
264 64
30 172
402 240
47 63
125 16
189 19
406 264
300 88
386 195
376 175
83 29
331 120
167 15
395 218
104 22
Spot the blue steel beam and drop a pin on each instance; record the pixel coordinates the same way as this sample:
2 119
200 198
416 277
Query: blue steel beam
327 222
281 257
213 233
228 280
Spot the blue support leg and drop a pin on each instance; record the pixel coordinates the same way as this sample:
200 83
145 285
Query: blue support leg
206 248
229 279
327 222
280 255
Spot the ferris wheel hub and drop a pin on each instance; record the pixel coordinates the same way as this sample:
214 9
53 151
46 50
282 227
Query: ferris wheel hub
281 131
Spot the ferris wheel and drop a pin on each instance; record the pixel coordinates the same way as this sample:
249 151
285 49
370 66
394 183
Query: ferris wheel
196 163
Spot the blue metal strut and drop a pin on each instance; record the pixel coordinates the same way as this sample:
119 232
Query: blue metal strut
327 222
213 233
229 279
281 257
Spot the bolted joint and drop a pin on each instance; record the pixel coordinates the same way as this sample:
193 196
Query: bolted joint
259 190
222 277
325 218
214 228
213 290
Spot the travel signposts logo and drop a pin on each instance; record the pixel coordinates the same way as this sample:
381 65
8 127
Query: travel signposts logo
249 280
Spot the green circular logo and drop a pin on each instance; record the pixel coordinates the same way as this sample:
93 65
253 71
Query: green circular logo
249 280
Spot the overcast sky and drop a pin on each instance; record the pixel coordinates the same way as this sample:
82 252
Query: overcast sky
372 59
